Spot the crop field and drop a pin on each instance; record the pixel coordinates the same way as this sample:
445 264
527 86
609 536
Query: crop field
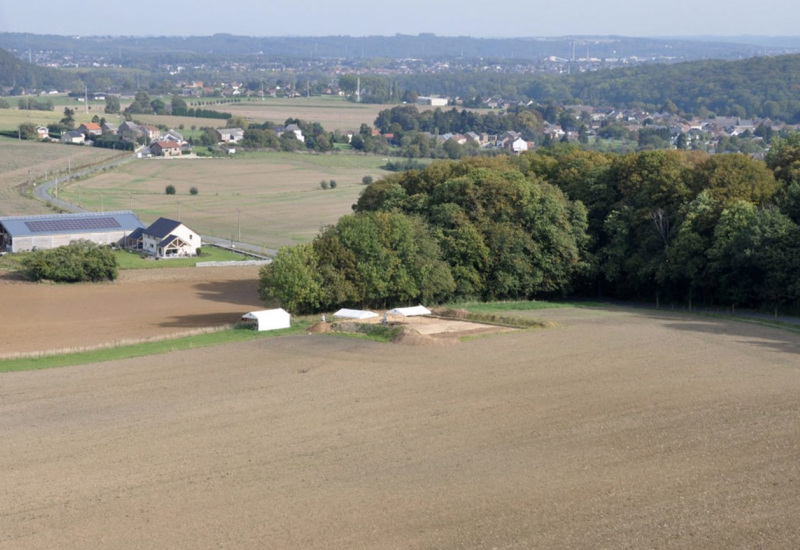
24 162
617 429
275 199
334 113
10 119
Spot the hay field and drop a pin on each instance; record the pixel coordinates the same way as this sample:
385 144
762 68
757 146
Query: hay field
24 162
278 195
617 430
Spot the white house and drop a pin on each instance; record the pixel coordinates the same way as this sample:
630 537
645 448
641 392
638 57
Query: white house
165 238
230 135
268 319
519 145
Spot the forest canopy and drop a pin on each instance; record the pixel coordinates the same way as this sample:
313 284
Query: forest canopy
659 226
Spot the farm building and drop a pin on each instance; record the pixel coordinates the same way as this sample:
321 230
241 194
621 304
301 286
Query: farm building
165 238
268 319
24 233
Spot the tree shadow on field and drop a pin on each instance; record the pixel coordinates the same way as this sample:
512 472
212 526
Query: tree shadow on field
203 320
237 292
751 334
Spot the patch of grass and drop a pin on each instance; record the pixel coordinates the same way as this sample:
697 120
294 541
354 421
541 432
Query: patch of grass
376 333
132 260
224 336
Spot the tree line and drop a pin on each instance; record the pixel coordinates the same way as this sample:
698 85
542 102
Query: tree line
667 227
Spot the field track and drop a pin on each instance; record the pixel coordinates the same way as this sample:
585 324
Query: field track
616 430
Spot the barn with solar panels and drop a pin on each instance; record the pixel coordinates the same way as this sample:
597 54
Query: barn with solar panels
25 233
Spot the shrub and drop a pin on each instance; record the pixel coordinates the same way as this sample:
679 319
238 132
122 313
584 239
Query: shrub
170 189
193 191
366 180
323 184
79 261
333 184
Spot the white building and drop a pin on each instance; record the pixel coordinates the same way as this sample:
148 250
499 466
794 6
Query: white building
268 319
165 238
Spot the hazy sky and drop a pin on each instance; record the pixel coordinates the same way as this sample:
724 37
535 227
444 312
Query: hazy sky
376 17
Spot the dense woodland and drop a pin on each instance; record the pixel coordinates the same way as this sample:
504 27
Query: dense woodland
668 227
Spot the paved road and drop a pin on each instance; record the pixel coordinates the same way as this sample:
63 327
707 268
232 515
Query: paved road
42 192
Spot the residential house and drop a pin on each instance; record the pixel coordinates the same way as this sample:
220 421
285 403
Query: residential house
230 135
90 129
166 148
108 128
42 132
519 145
131 130
73 136
152 132
165 238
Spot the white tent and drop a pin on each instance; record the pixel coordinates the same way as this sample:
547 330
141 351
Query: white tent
345 313
409 311
269 319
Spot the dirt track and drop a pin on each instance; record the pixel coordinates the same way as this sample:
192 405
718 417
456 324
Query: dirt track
618 430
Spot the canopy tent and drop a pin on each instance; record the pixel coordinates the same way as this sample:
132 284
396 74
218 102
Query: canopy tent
409 311
345 313
268 319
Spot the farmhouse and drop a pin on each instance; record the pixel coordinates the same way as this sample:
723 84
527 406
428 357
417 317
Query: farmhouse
25 233
165 238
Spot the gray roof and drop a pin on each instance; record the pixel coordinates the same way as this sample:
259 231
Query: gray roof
61 224
162 227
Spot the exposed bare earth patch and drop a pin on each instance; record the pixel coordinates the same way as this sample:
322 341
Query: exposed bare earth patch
616 430
142 304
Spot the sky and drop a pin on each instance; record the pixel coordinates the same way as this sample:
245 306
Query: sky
476 18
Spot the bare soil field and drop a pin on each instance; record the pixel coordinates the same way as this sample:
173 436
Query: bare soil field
24 162
274 198
146 303
616 430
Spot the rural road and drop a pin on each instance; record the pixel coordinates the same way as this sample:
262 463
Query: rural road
42 192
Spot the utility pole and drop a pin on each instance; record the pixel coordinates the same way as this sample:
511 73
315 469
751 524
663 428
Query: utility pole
179 210
102 203
239 224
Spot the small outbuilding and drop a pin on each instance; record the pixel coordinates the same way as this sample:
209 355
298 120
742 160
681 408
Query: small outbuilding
268 319
409 311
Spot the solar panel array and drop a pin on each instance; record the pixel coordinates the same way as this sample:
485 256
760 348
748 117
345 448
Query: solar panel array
72 224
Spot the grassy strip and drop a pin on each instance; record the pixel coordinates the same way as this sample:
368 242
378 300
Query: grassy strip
225 336
132 260
480 307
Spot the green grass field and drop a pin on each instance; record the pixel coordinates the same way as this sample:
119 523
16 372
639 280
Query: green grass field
274 198
23 163
140 349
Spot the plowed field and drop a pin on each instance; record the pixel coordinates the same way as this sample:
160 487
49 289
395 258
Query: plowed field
614 430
